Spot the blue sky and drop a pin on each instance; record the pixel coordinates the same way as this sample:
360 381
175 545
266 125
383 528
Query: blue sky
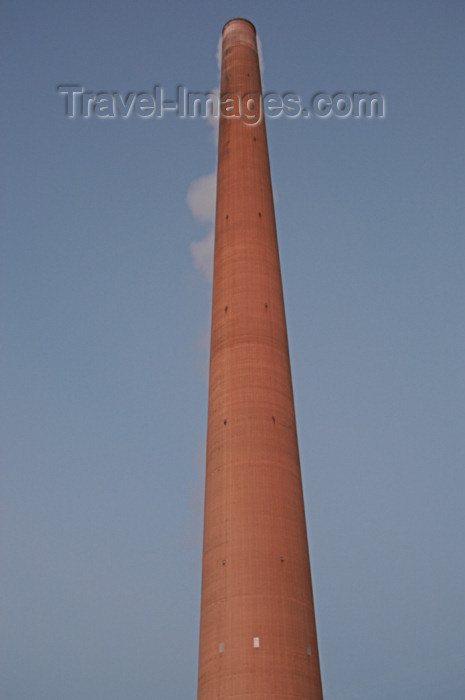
105 343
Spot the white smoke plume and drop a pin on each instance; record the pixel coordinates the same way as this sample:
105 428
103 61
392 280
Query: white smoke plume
201 199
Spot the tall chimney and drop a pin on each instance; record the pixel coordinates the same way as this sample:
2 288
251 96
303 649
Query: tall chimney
257 629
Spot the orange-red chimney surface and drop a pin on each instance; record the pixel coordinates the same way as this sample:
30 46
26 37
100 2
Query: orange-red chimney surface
257 628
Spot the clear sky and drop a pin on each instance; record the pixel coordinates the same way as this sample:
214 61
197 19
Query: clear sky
105 342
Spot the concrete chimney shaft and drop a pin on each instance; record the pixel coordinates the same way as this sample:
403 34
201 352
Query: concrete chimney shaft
257 630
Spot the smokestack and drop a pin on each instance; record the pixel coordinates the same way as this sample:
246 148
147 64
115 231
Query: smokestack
257 629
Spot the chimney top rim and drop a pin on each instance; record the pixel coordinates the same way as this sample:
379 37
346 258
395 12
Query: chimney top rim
239 19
